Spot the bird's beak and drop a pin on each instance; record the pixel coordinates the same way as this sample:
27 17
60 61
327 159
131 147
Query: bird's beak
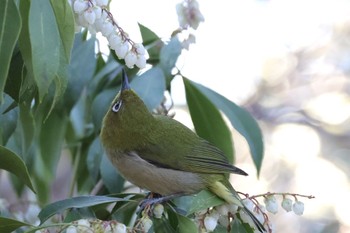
125 81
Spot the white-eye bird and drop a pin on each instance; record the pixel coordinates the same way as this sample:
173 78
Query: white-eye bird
158 153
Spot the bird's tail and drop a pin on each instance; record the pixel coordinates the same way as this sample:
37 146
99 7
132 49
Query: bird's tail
257 223
228 193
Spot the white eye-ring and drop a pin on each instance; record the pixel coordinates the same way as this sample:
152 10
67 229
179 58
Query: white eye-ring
116 106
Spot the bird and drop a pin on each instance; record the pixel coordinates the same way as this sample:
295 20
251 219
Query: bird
159 154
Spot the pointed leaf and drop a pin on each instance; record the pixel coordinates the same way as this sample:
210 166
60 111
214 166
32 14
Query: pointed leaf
241 120
207 120
51 139
201 201
150 86
10 225
81 69
10 26
11 162
93 159
186 225
45 44
75 202
100 106
8 119
65 22
113 181
148 36
169 54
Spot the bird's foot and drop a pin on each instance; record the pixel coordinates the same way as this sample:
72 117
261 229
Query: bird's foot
155 198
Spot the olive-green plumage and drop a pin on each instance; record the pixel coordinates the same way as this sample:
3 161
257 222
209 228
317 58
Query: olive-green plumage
162 155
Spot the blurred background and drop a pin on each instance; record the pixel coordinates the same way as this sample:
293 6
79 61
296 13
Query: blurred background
287 62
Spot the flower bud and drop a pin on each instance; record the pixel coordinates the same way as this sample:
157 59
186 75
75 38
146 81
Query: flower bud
107 28
120 228
271 204
210 223
98 11
246 218
287 204
146 223
80 6
222 209
233 208
224 220
298 208
114 41
141 61
80 19
83 226
158 209
101 2
130 59
71 229
89 16
140 49
214 214
249 204
122 50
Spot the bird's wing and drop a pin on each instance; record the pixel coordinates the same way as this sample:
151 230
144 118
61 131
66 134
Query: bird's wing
177 147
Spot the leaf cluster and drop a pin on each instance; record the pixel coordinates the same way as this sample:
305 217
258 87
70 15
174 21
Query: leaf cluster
54 92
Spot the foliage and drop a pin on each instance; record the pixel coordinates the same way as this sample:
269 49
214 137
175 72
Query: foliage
54 91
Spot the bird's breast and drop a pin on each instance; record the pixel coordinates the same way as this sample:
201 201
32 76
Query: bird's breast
156 179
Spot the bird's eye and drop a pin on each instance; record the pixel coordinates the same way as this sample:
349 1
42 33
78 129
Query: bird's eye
116 106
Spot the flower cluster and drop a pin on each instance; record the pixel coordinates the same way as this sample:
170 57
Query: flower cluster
94 15
189 17
287 204
188 14
91 226
209 219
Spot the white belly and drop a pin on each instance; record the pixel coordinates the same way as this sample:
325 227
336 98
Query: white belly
159 180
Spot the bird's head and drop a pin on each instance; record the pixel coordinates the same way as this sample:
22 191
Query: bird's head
127 120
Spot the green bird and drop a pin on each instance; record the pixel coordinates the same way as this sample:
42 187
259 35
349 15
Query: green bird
160 154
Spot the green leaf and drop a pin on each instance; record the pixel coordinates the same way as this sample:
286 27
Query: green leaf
125 211
100 106
152 43
27 124
75 202
103 76
15 75
94 158
10 225
51 140
150 86
238 226
24 39
11 162
45 44
65 22
9 120
169 55
241 120
10 27
201 201
148 36
207 120
76 214
162 225
28 88
81 69
78 116
186 225
113 181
